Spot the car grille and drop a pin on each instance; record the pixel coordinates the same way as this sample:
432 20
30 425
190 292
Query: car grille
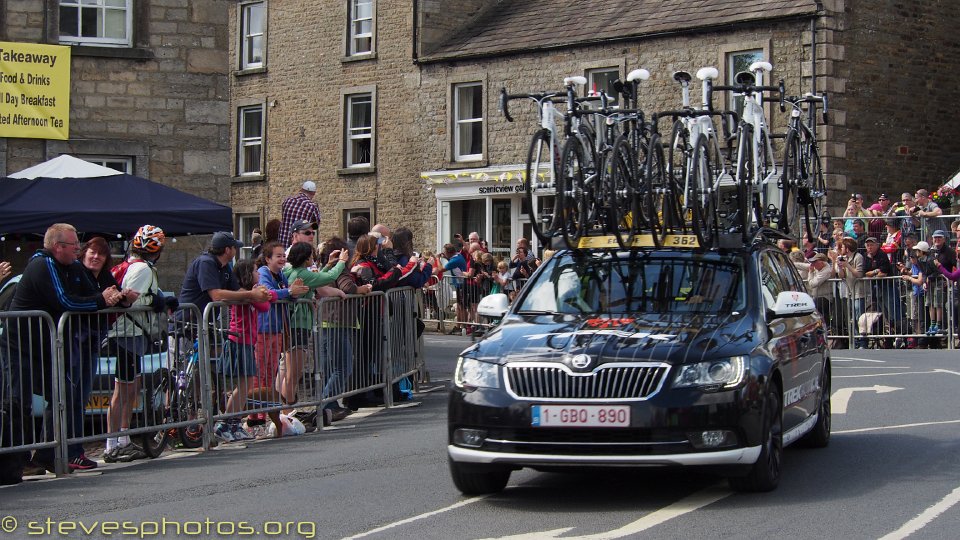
623 381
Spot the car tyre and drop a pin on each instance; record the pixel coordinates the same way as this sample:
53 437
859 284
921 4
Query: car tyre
478 479
764 475
819 436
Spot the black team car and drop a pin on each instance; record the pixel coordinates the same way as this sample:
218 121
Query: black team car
646 357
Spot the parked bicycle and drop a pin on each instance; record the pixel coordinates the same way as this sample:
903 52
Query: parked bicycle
757 177
803 184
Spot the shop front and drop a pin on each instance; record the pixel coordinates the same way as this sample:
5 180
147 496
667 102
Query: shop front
491 201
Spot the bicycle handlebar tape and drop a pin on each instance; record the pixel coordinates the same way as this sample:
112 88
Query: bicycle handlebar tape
783 106
503 104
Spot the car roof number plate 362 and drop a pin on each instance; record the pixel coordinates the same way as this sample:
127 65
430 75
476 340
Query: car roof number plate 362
593 416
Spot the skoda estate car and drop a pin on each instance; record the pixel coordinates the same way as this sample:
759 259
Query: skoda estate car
647 357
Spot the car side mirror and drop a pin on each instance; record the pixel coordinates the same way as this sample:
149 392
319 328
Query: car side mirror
494 306
793 304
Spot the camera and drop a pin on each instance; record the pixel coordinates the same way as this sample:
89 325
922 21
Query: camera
842 258
416 254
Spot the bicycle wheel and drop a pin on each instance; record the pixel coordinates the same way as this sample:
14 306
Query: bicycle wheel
573 202
791 182
677 158
155 443
187 402
747 208
539 175
704 203
815 199
660 194
625 214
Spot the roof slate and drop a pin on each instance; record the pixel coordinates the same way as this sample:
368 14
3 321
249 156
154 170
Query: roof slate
523 25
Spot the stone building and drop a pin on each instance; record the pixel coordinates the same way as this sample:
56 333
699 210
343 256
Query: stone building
391 106
148 95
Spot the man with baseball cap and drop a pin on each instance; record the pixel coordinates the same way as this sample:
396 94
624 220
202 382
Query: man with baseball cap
210 278
945 261
299 207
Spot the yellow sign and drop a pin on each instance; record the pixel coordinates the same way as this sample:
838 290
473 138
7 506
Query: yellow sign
34 91
639 241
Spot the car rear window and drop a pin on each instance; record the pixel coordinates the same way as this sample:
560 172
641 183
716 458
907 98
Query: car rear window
644 284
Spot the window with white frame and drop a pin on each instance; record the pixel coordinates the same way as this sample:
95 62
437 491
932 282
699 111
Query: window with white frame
252 24
601 80
96 22
250 140
123 164
246 223
468 121
360 33
359 135
736 62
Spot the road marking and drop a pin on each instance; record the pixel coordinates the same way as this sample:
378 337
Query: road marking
871 367
686 505
841 398
851 359
890 374
924 518
417 518
900 426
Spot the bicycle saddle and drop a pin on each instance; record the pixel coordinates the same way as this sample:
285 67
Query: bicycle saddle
709 72
682 77
638 75
578 79
765 66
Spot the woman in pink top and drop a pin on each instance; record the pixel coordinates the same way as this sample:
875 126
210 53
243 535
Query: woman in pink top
237 361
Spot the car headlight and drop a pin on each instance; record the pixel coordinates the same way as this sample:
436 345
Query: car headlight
472 374
713 375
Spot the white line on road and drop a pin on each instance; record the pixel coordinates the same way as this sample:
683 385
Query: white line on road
925 517
686 505
871 367
851 359
889 374
900 426
417 518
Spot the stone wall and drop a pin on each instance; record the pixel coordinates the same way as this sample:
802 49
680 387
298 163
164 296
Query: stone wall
167 106
896 83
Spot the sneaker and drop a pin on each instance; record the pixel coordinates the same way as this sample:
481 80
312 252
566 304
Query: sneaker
130 452
934 329
240 434
340 413
111 456
32 468
82 463
222 431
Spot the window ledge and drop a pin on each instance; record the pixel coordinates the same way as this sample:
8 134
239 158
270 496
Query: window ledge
249 71
133 53
356 170
483 162
248 178
359 57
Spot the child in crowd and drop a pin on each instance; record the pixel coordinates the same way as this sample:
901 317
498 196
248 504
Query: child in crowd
504 281
238 363
272 325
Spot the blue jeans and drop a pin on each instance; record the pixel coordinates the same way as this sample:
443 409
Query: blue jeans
82 355
336 350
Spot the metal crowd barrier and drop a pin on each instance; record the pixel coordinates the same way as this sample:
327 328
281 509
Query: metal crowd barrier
30 393
445 303
180 372
886 312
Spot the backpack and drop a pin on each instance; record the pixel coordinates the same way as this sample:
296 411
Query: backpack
120 270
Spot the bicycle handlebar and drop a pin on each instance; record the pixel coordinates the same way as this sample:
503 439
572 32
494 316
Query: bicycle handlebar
812 99
505 98
745 89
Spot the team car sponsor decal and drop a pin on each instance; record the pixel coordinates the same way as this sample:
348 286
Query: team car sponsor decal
797 393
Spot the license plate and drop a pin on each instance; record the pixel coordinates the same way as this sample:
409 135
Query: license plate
580 415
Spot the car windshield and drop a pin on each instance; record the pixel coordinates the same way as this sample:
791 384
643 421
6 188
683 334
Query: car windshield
658 284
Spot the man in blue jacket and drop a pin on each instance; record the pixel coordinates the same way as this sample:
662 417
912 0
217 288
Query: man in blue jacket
53 282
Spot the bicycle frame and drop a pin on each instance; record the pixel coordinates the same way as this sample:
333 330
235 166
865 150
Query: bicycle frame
696 125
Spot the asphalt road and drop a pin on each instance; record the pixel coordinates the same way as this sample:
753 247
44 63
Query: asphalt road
891 471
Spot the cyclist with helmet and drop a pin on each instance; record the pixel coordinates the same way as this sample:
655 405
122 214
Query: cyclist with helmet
132 334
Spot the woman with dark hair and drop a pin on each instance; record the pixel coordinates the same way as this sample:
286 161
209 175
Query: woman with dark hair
403 248
301 320
84 347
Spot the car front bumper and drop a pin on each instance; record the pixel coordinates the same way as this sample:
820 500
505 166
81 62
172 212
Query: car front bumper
737 456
